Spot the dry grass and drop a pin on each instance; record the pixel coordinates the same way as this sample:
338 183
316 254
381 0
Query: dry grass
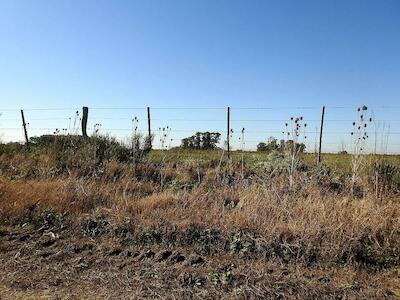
331 227
314 225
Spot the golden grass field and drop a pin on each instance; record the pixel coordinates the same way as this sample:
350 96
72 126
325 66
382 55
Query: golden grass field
80 222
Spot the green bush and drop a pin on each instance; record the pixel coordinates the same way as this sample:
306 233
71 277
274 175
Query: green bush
11 148
85 156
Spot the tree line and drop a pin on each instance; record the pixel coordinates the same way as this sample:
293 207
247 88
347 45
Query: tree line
209 140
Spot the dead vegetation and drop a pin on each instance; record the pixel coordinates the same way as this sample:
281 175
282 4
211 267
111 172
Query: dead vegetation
77 217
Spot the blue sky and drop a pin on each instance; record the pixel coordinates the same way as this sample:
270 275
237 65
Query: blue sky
201 54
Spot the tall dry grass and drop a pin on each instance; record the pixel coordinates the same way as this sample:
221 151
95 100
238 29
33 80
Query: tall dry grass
330 228
316 221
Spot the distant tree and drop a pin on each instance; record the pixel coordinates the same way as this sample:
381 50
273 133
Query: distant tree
262 147
201 141
301 147
197 141
271 145
288 146
186 143
281 145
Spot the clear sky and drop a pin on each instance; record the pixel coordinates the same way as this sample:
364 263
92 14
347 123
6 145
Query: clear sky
201 54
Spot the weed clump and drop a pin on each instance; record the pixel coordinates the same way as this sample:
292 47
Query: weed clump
95 227
386 178
53 221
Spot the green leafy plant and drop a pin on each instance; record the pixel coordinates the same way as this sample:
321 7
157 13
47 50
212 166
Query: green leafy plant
95 227
238 244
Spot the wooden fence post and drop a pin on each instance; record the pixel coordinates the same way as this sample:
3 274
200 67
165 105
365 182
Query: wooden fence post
25 130
85 111
229 131
149 126
320 134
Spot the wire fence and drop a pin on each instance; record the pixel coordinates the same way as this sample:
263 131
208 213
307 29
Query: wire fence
249 125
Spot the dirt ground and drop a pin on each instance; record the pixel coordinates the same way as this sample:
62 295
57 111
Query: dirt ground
42 264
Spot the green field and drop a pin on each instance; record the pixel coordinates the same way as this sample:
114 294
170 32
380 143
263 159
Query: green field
340 162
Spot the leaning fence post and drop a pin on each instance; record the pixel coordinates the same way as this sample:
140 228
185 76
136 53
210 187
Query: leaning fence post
25 130
149 125
320 134
85 113
228 131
